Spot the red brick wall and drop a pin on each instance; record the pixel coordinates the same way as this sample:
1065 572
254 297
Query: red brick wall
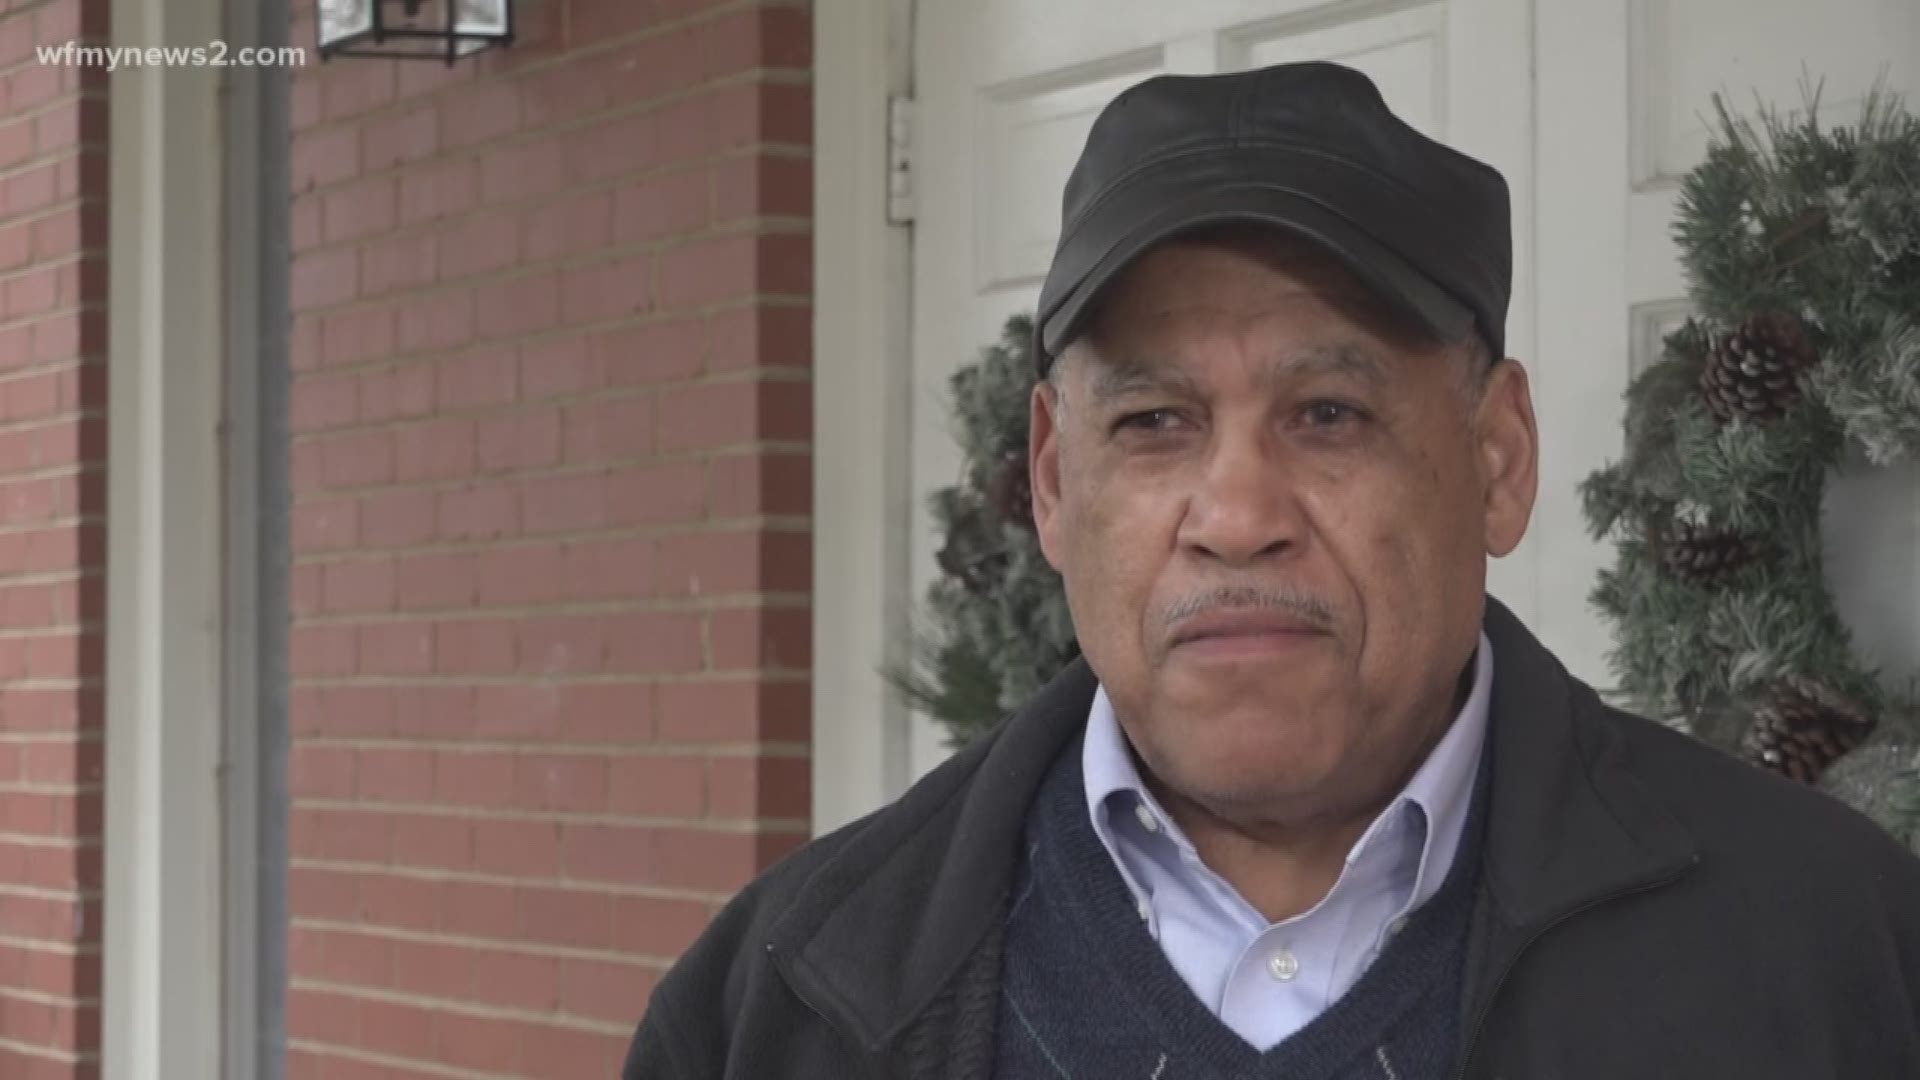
53 222
551 418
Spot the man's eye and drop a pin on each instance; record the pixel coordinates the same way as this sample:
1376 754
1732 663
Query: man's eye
1324 413
1150 420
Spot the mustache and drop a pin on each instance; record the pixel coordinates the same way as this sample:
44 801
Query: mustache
1300 603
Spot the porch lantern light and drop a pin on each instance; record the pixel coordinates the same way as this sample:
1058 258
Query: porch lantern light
413 29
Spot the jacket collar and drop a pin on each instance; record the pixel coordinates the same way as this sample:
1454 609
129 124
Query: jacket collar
891 917
880 928
1570 822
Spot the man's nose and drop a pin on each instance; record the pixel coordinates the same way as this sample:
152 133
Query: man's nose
1243 506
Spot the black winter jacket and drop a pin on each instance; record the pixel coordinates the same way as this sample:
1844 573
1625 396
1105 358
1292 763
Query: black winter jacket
1649 908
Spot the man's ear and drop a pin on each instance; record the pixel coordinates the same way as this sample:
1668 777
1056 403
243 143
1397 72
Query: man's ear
1043 465
1508 443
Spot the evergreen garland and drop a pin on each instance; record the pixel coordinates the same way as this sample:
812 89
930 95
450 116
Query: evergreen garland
1802 252
996 620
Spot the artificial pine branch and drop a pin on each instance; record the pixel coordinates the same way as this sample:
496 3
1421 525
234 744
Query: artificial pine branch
995 626
1807 240
1905 803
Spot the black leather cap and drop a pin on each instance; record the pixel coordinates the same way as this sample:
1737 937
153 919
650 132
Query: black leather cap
1307 148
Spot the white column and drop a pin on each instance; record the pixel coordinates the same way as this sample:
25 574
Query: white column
162 947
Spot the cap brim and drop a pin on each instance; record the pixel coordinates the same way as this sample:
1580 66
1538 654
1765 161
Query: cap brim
1124 228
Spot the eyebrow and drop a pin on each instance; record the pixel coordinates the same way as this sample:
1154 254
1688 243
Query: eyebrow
1126 374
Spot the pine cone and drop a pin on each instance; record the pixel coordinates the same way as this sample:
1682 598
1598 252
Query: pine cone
1010 491
1751 371
1704 555
1804 729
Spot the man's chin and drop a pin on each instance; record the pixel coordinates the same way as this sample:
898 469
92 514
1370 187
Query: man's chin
1247 693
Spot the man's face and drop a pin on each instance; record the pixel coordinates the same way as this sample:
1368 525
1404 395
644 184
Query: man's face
1240 436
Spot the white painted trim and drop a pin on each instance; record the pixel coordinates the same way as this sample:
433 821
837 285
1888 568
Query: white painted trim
161 974
862 411
1584 175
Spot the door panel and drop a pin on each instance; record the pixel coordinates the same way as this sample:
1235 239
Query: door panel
1030 129
1403 52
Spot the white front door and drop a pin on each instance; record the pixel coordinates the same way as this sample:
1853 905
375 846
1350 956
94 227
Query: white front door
1007 89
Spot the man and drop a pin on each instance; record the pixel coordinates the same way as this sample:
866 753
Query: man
1310 805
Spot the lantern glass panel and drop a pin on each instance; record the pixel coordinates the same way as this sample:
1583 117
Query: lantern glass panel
344 18
480 16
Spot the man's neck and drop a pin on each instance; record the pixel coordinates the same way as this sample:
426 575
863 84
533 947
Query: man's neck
1280 871
1284 868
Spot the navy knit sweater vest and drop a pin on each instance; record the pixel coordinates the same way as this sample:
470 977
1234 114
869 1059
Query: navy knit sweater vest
1086 993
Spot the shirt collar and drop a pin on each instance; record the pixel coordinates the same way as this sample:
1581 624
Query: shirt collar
1441 789
1443 785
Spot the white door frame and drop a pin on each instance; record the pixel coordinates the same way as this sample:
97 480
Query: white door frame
862 383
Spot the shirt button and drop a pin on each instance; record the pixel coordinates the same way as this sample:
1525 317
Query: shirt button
1283 965
1147 820
1146 910
1397 925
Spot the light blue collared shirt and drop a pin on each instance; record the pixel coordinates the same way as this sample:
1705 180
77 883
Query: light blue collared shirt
1268 980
